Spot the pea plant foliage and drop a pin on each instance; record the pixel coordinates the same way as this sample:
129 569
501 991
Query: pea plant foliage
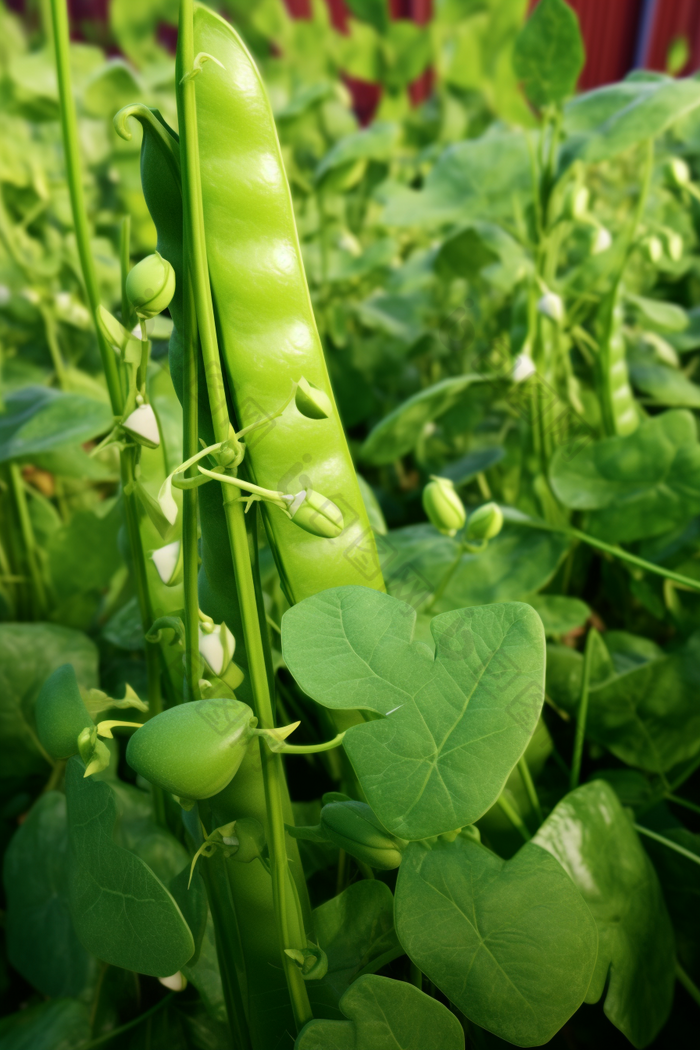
349 496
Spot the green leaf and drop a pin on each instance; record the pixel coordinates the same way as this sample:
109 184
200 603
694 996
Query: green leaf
353 928
680 879
385 1015
41 941
644 711
62 1024
374 12
467 251
592 837
29 653
399 432
38 419
377 142
515 564
641 485
474 179
122 913
558 613
462 470
651 107
453 725
549 54
511 943
83 552
664 316
667 386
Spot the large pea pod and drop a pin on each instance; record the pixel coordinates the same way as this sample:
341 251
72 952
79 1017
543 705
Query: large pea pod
618 406
268 336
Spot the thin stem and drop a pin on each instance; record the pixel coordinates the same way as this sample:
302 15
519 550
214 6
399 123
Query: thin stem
582 711
682 802
687 982
444 582
416 976
668 843
381 961
69 129
287 911
54 349
308 749
29 541
102 1040
514 817
190 544
530 788
125 263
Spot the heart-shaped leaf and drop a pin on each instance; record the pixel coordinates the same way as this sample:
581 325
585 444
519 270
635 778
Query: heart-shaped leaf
591 836
455 723
640 485
385 1015
511 943
122 913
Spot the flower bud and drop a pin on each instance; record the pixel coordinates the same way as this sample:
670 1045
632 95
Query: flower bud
315 513
193 750
443 506
485 522
216 646
677 172
653 248
353 827
150 285
168 563
552 306
61 716
602 240
142 426
523 368
176 982
576 201
93 752
674 245
312 402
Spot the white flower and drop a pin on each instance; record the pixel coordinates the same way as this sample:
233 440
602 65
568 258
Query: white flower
602 241
552 306
523 368
176 982
5 294
143 426
216 646
167 562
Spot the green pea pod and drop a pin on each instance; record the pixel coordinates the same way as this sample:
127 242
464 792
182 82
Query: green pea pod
193 750
618 406
353 827
268 336
60 713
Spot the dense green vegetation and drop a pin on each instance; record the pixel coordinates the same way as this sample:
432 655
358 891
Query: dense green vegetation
402 760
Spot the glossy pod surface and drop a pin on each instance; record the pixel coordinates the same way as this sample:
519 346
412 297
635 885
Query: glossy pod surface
193 750
268 334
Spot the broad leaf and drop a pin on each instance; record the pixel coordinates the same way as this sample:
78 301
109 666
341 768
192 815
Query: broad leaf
29 653
549 55
667 386
650 107
385 1015
41 942
658 314
511 943
474 179
377 142
454 724
516 563
38 419
122 913
558 613
62 1024
640 485
680 879
592 837
399 432
353 928
462 470
642 707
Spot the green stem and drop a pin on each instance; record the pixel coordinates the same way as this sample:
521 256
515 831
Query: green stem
54 349
687 982
530 788
190 445
381 961
444 582
290 930
682 802
416 976
102 1040
125 264
668 843
69 129
582 712
514 817
29 540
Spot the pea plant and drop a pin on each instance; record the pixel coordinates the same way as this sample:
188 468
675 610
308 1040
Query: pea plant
245 686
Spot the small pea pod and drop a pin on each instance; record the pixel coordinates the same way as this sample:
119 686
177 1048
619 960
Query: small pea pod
618 406
61 716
